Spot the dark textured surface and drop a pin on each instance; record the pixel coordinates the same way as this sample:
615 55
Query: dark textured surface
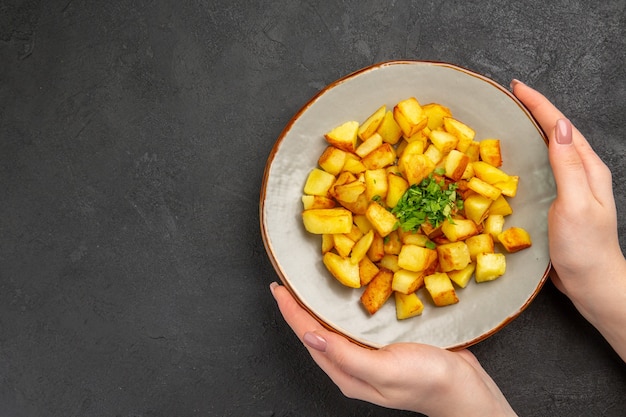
133 138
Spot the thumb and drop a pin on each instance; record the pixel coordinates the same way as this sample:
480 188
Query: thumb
577 168
567 166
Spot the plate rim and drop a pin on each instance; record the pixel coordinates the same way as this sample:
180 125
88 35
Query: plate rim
274 150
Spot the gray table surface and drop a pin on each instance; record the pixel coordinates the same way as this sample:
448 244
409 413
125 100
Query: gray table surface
133 139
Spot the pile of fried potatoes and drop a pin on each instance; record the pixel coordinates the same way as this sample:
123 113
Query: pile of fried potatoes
366 169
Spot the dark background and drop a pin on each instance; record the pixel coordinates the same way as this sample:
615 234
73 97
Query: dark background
133 139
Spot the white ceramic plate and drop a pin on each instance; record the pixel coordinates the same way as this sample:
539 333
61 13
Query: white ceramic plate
474 99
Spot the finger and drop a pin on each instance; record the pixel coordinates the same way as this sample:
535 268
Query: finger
541 108
296 317
316 339
567 166
547 115
330 357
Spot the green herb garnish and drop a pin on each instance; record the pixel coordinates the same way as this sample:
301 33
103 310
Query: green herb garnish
429 201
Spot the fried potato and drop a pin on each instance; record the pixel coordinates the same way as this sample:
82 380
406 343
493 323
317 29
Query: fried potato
382 220
441 289
459 229
342 269
344 136
410 116
416 258
406 281
332 160
489 266
463 276
371 124
377 291
327 221
453 256
389 129
318 182
489 150
408 305
515 239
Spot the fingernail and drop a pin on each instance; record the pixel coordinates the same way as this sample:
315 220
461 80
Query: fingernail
515 82
273 286
563 132
315 341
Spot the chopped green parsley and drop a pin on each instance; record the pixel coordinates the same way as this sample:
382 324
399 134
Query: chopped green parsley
429 201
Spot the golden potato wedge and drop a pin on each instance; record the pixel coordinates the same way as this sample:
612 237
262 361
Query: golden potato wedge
371 124
396 187
406 281
377 291
342 244
489 173
317 202
515 239
359 251
482 243
359 206
416 167
327 221
456 164
344 136
476 207
389 262
367 270
483 188
376 185
416 258
342 269
490 152
463 276
382 219
353 164
494 224
410 116
332 160
440 289
318 182
434 154
349 192
392 243
436 112
369 145
508 188
355 233
345 177
489 266
459 129
380 157
377 248
389 129
472 150
459 229
408 305
453 256
414 148
414 238
501 206
362 223
443 140
328 243
469 170
419 137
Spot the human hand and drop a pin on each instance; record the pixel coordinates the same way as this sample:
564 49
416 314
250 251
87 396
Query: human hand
406 376
582 223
